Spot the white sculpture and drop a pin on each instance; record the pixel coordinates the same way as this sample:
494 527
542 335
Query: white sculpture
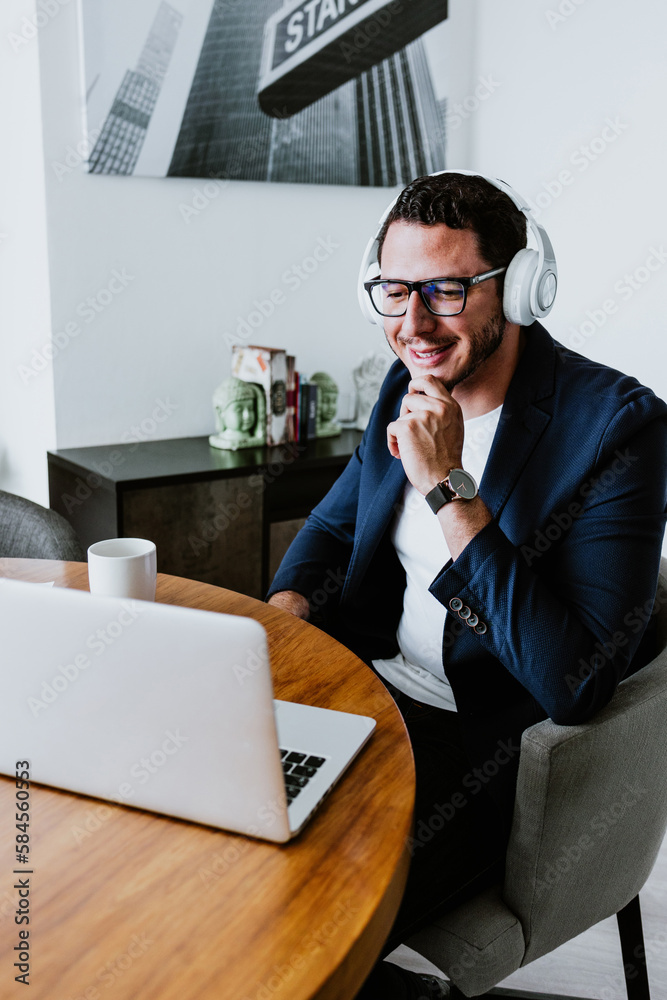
368 377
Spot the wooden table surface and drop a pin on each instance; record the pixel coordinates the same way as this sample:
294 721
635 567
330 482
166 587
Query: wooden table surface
130 905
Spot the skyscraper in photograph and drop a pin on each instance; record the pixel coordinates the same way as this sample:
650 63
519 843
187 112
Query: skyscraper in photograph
119 144
223 132
382 128
398 120
319 144
156 53
442 110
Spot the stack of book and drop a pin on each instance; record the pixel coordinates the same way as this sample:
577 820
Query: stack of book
291 400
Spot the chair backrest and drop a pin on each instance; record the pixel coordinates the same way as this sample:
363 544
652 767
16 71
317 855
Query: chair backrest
29 531
591 808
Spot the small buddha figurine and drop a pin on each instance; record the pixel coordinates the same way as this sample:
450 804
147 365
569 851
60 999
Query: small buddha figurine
327 402
240 415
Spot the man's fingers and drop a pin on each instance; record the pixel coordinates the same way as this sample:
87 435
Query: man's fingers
395 428
417 402
290 601
430 385
392 441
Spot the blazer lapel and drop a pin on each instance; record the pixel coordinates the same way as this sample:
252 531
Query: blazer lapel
515 440
522 422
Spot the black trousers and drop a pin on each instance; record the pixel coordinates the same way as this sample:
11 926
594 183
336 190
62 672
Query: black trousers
458 843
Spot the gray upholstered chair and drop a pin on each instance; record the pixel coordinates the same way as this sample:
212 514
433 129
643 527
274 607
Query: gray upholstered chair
28 531
589 820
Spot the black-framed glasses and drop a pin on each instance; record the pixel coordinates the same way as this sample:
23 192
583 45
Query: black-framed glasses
441 296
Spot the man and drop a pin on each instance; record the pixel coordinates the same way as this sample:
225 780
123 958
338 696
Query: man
485 611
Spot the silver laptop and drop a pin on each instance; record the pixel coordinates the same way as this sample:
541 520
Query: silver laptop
163 708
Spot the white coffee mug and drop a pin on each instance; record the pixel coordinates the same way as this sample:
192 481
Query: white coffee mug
123 567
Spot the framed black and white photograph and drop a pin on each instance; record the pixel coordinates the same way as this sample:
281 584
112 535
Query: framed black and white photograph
311 91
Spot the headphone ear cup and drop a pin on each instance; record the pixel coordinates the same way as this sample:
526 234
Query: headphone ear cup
369 270
519 279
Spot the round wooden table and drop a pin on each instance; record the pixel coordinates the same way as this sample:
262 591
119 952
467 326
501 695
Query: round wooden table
131 905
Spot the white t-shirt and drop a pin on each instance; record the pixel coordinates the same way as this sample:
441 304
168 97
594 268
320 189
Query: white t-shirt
420 544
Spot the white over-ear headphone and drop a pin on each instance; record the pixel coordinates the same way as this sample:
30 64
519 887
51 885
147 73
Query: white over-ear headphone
530 280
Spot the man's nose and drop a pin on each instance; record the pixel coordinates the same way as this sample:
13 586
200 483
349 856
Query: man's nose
418 319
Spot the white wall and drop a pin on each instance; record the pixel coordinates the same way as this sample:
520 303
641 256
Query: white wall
565 69
188 282
27 419
530 97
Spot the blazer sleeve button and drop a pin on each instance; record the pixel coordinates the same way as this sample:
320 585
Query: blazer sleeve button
480 628
456 604
472 621
465 612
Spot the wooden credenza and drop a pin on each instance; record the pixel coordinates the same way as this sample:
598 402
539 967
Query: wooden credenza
221 517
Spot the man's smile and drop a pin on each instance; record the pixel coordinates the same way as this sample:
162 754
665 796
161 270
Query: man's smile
428 356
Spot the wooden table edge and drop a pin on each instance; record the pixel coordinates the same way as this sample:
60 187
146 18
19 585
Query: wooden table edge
350 973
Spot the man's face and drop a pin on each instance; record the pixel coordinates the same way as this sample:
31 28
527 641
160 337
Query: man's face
453 348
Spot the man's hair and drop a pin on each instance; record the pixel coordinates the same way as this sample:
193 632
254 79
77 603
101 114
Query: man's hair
464 202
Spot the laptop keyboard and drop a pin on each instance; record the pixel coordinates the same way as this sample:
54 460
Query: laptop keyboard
298 769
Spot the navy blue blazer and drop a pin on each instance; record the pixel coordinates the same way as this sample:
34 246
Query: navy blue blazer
564 576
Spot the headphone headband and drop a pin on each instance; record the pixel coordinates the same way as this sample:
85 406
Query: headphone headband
531 278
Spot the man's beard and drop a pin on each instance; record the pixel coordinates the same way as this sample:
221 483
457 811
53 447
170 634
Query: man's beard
483 343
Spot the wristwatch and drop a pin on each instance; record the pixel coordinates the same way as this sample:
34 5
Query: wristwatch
457 485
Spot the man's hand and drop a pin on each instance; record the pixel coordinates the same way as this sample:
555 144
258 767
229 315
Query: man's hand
428 434
290 601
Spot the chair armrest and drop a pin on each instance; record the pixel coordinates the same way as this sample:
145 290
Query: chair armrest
590 813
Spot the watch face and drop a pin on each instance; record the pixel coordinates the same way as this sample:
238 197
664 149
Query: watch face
463 484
